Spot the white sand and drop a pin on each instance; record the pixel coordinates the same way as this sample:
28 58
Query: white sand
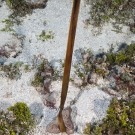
91 103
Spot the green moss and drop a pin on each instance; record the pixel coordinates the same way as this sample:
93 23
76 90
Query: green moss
98 130
13 133
104 11
41 67
38 79
12 71
120 119
133 30
22 112
130 50
87 130
99 71
45 36
122 58
19 7
37 82
26 67
17 120
9 24
111 57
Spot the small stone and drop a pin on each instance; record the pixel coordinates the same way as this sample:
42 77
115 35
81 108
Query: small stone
85 56
92 59
92 78
110 91
98 66
82 51
48 74
53 127
100 60
47 83
67 120
117 69
52 97
126 77
37 118
13 54
56 65
132 97
104 65
43 74
78 81
84 61
85 79
104 58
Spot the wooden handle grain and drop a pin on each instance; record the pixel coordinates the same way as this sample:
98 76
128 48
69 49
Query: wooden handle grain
68 60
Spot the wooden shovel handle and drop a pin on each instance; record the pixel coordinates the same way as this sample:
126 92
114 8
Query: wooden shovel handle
68 60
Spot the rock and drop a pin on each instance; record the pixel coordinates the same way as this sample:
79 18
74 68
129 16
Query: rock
51 97
98 66
110 91
92 59
85 56
84 61
132 97
12 54
43 74
56 64
2 60
100 60
36 110
126 77
78 81
66 113
47 83
53 127
117 69
85 80
37 118
82 51
104 65
104 58
92 78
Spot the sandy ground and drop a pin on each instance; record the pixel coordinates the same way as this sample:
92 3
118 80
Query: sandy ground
91 103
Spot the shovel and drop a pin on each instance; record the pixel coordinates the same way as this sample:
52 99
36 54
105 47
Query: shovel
63 123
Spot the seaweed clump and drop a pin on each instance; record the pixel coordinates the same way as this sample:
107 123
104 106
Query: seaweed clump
45 36
120 120
16 120
122 56
20 8
12 71
115 11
